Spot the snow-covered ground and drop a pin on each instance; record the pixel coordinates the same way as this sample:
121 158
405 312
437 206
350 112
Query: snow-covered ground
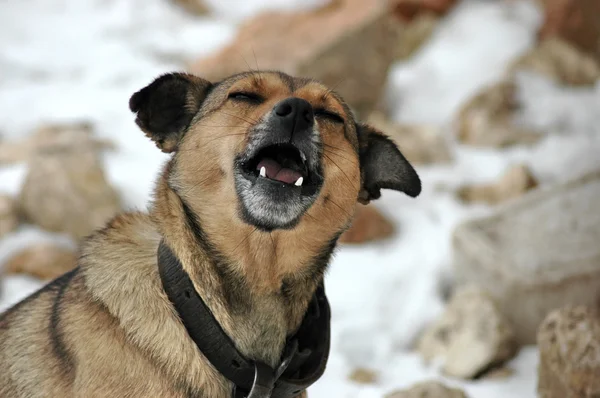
71 60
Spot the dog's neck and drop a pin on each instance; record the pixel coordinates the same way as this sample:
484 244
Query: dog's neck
257 284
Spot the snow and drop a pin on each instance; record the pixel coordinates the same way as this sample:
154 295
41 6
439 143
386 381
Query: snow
238 10
471 49
73 60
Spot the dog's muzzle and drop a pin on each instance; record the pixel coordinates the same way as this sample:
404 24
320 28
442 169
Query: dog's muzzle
279 175
284 148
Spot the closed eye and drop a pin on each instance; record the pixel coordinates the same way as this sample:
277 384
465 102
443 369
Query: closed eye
331 116
246 97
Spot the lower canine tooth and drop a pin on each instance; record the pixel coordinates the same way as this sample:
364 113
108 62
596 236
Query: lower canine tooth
299 181
263 171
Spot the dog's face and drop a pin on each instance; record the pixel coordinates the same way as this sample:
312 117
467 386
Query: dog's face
280 148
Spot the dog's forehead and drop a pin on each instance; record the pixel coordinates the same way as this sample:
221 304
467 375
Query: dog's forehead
266 80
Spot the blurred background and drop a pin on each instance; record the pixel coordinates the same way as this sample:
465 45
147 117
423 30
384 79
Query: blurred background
494 101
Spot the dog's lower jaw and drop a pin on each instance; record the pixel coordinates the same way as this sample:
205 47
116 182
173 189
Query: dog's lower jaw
268 211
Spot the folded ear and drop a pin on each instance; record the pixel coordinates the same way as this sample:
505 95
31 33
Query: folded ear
166 107
383 166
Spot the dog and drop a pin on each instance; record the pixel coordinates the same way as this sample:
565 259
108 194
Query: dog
264 176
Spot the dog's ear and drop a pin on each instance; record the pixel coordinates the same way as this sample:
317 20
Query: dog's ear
383 166
166 107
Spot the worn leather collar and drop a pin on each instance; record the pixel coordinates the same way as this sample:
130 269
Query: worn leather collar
305 354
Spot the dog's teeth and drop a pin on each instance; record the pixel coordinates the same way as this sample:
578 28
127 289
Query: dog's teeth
299 181
303 156
263 171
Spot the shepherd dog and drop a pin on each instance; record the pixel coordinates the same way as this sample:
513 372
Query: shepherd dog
264 174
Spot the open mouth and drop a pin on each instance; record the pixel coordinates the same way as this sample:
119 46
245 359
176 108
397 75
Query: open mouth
283 164
277 183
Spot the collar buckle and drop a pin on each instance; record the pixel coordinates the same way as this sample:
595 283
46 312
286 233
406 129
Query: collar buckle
265 377
264 381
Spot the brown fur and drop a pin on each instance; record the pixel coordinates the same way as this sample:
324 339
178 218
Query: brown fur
107 329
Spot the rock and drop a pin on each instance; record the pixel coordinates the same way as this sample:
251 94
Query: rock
486 120
9 218
67 191
515 182
569 343
576 21
44 261
419 144
411 9
363 376
346 44
52 137
196 7
536 254
368 225
429 389
471 337
500 373
560 61
415 34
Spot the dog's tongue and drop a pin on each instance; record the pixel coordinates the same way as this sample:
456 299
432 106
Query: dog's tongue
276 172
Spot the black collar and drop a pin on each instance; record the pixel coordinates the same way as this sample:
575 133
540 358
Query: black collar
305 354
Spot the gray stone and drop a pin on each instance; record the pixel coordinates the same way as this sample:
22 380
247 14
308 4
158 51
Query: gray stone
428 389
537 254
419 144
52 137
471 336
560 61
516 181
9 219
67 191
569 342
488 118
363 376
196 7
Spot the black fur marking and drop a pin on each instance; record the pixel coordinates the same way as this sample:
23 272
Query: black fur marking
288 81
384 167
314 273
65 359
5 316
234 287
322 259
50 287
189 391
350 139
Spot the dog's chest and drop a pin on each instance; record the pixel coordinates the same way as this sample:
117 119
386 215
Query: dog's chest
263 330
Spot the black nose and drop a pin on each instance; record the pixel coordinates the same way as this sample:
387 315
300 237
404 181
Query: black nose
294 114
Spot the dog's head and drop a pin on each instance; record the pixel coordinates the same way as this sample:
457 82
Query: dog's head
273 147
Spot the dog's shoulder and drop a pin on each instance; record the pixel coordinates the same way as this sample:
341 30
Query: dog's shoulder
119 265
119 257
125 232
